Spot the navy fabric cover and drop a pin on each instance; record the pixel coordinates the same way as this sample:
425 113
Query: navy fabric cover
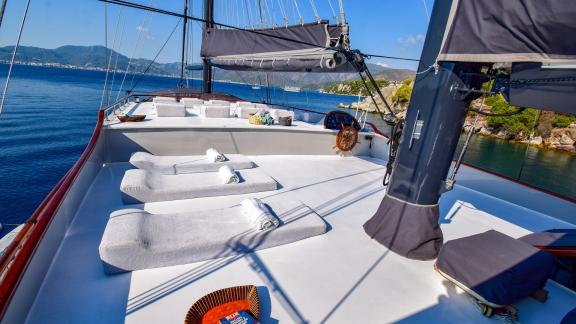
556 238
570 318
498 268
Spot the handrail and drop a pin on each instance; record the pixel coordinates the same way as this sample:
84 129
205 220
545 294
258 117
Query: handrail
17 256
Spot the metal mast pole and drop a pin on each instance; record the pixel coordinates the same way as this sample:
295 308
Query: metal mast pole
2 8
183 66
207 69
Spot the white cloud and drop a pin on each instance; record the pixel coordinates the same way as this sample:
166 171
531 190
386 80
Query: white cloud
383 65
411 40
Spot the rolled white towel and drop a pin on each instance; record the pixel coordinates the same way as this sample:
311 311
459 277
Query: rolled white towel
259 214
228 175
214 156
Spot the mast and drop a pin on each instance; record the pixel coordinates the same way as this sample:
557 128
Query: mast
182 67
207 69
407 219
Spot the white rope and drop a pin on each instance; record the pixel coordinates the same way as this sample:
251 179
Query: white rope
137 46
249 11
111 53
425 2
14 56
315 10
283 11
298 11
333 11
106 46
123 29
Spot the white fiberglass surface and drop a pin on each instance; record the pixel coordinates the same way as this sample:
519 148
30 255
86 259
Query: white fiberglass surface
340 277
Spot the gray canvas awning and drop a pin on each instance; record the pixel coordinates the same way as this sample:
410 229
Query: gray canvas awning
305 48
510 31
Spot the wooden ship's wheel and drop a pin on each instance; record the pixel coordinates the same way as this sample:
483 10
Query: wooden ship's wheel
346 139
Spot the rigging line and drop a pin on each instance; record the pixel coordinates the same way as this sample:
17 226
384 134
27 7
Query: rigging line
270 19
139 39
111 51
391 57
249 10
170 13
425 2
315 10
260 13
283 12
155 58
117 56
106 46
243 3
22 22
333 11
298 11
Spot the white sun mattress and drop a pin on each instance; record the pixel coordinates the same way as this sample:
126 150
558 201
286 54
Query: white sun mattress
135 239
186 164
144 186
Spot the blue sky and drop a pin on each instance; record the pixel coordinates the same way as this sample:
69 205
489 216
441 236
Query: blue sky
387 27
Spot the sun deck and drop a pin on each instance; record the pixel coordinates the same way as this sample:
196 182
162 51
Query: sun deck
340 277
194 119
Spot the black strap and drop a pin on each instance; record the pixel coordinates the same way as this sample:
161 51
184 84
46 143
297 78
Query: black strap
393 143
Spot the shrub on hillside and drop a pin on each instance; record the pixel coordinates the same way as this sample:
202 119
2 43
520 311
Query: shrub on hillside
563 120
403 93
519 125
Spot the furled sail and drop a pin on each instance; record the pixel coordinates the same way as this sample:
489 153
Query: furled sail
510 31
311 47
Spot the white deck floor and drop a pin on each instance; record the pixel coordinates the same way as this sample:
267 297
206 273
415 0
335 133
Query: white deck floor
340 277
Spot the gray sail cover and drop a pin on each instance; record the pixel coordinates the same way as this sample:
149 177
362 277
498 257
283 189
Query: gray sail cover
300 48
510 31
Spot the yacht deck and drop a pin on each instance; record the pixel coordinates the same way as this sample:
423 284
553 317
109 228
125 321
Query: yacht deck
194 120
340 277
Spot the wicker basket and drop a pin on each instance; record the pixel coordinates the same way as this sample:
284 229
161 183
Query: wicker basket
130 118
233 298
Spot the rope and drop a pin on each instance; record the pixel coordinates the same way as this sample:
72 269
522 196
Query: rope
117 56
155 57
22 22
106 46
451 179
425 2
333 11
298 11
140 37
315 10
283 11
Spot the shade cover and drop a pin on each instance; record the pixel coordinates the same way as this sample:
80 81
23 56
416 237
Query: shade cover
510 31
299 48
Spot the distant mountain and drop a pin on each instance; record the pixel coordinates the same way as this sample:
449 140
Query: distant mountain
96 57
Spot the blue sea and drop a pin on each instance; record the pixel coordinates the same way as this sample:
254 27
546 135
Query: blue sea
50 114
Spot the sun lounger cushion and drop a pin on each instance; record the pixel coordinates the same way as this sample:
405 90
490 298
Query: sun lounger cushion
144 186
493 267
163 100
134 239
191 102
244 112
186 164
215 111
175 109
